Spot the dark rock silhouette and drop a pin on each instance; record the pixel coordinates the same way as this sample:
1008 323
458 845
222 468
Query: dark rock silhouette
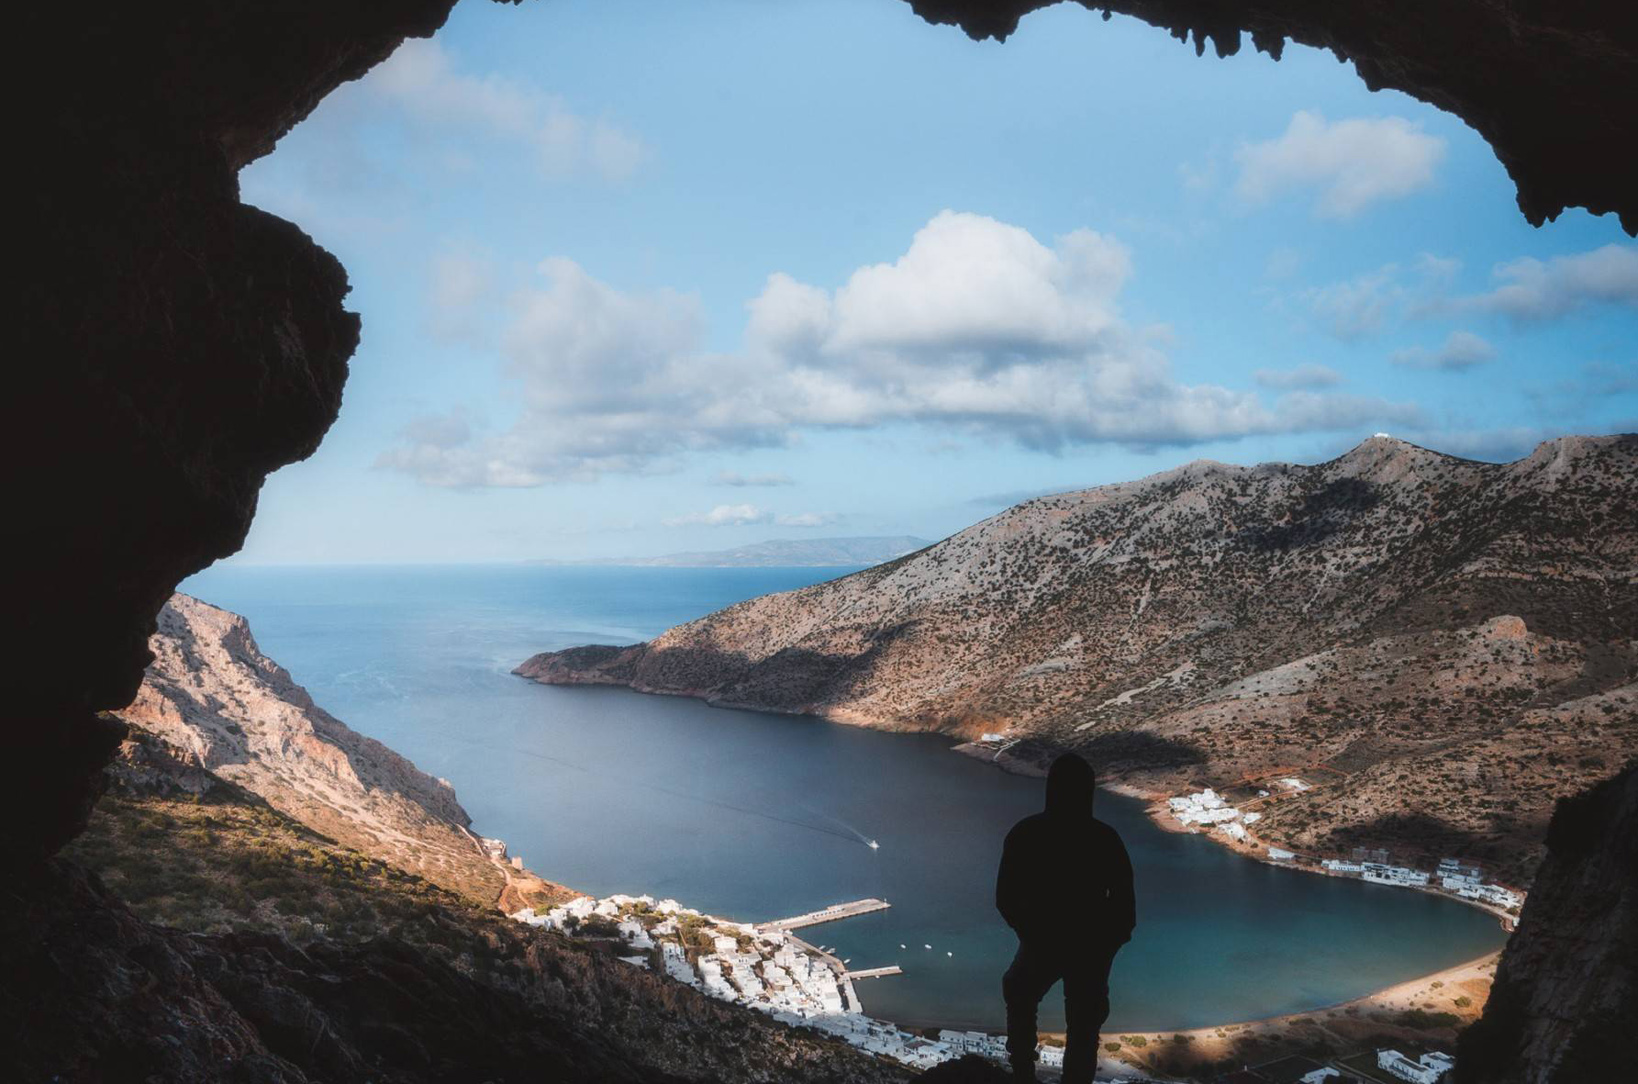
1566 991
1065 888
91 993
180 344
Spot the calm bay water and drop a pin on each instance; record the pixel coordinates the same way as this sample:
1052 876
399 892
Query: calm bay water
754 816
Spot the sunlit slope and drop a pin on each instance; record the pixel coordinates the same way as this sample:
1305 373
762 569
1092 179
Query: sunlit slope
1455 638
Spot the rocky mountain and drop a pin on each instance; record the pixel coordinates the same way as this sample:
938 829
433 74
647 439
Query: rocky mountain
211 700
1443 646
784 553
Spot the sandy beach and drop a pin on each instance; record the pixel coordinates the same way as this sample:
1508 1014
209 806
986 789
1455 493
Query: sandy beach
1429 1009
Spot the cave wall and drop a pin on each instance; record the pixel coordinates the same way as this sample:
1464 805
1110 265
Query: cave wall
177 345
1566 993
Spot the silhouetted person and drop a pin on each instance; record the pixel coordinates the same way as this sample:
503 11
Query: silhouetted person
1065 887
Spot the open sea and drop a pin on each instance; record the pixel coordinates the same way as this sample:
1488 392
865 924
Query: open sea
754 816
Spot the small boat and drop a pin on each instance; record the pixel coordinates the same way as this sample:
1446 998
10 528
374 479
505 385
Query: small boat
927 946
875 846
949 954
901 944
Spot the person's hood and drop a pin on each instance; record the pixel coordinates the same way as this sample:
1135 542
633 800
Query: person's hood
1070 787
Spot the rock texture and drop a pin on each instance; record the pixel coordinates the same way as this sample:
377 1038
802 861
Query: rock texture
89 992
215 702
179 345
1543 83
1453 641
1566 993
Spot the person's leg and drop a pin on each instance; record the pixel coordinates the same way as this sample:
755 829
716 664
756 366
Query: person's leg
1023 986
1086 1007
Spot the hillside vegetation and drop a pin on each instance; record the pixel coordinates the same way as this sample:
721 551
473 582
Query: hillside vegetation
1441 647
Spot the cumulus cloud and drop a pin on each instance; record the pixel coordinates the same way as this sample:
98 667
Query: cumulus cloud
1300 377
734 478
1530 289
1461 350
422 81
741 515
978 327
1354 163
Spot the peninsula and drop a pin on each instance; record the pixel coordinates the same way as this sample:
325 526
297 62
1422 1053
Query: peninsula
1434 649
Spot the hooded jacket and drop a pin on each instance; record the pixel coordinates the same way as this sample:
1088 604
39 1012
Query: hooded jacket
1065 875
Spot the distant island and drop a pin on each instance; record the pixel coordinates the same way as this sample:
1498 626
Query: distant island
777 553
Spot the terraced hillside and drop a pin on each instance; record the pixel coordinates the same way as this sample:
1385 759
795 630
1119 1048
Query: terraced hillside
1444 646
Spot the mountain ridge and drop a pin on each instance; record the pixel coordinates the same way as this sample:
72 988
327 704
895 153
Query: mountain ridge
1390 611
212 705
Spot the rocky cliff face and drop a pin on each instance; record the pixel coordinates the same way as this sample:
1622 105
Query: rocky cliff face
1566 992
1453 641
216 702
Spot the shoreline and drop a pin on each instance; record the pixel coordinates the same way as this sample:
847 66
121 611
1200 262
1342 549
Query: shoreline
1406 991
1338 1028
1154 802
1154 808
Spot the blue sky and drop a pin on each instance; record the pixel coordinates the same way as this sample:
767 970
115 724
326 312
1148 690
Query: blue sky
643 277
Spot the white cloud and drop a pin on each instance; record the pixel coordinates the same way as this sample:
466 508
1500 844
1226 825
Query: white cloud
1358 307
977 327
734 478
1300 377
1532 289
1461 350
741 515
807 519
723 515
1361 307
422 81
1354 163
1529 290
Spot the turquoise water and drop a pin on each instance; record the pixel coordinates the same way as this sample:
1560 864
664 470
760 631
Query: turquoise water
756 816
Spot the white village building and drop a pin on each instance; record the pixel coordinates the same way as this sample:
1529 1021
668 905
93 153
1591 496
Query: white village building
1426 1070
